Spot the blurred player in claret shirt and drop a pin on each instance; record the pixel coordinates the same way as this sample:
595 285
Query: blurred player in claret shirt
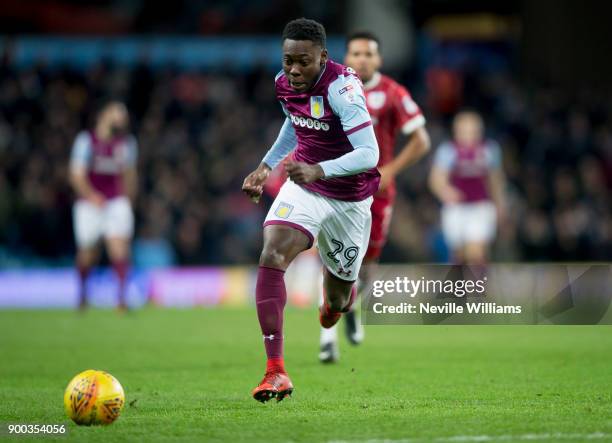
332 178
468 178
395 116
103 175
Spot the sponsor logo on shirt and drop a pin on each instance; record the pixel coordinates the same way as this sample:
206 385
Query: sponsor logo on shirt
348 92
347 88
309 123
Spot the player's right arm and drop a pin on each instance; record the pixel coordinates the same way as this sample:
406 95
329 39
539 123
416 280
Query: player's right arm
284 144
411 122
347 100
79 159
439 177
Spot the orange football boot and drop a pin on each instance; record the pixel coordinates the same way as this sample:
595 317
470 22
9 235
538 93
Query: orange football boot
274 385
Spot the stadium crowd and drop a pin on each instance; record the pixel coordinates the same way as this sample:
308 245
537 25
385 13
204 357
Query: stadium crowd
200 133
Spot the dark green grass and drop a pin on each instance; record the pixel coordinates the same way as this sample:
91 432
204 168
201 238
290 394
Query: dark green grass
188 375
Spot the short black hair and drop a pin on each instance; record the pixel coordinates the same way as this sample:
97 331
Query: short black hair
365 35
305 29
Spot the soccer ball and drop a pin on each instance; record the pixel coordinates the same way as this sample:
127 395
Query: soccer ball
93 398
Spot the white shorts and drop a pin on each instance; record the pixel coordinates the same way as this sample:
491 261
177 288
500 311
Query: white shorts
115 219
342 228
469 223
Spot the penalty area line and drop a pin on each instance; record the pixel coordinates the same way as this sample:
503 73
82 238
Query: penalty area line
488 438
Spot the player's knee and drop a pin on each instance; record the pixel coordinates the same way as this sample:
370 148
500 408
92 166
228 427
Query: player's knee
272 257
338 299
475 255
85 258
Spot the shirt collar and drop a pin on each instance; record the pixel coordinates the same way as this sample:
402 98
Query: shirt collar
320 74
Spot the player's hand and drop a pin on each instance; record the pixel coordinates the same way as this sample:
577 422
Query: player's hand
97 199
386 177
451 195
303 173
253 183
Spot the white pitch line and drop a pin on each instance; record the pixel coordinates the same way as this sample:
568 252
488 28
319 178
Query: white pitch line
488 438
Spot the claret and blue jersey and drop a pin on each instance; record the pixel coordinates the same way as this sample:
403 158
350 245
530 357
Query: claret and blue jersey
330 125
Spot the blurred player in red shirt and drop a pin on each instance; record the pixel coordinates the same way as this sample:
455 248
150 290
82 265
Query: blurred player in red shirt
467 177
103 175
394 114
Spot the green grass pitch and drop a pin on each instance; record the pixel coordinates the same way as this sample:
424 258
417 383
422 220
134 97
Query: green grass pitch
188 375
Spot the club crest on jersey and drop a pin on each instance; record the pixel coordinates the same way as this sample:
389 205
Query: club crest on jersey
283 210
376 99
316 106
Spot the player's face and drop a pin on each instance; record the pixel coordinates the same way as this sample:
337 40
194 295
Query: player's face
467 129
115 117
302 63
362 55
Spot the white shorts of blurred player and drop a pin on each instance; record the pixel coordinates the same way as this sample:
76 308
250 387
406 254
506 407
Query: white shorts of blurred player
469 223
91 222
341 228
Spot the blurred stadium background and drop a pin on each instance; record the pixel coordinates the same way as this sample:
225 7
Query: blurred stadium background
197 79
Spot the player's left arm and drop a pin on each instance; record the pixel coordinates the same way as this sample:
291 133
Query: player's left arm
130 171
347 100
412 124
497 180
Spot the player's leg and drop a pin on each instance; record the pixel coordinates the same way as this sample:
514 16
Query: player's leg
289 229
329 351
453 229
382 210
281 245
475 253
87 232
339 296
342 243
480 230
353 329
85 260
118 231
118 249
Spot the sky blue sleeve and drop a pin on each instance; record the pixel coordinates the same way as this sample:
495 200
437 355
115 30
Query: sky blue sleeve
131 151
284 144
445 156
347 100
494 156
81 150
363 157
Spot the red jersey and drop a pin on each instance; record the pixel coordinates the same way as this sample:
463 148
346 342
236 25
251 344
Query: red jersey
393 111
